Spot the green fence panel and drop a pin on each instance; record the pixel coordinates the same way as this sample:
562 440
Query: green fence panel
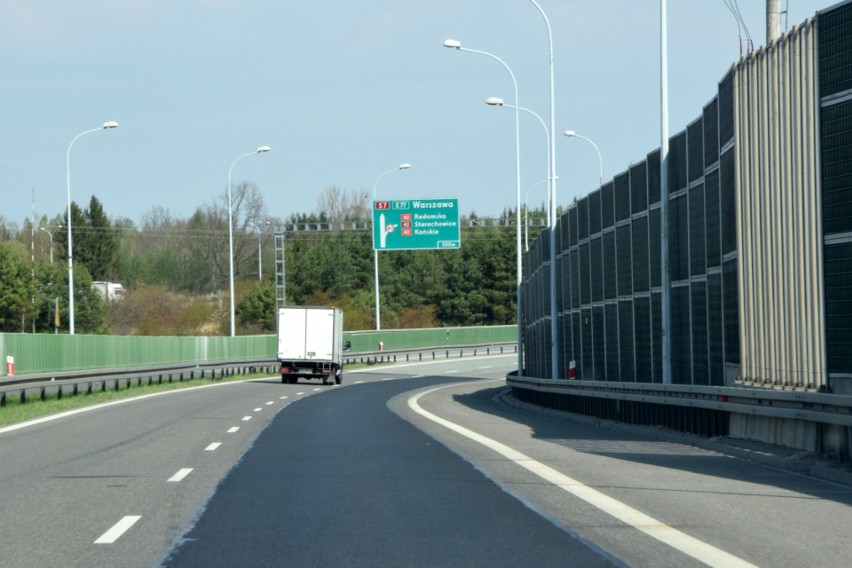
45 353
416 338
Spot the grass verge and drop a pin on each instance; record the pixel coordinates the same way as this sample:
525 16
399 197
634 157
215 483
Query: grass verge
15 412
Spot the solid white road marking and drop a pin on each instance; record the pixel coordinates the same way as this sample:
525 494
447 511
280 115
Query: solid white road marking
213 447
233 429
654 528
118 529
129 400
180 475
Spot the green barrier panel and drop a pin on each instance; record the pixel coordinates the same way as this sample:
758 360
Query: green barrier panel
415 338
55 353
45 353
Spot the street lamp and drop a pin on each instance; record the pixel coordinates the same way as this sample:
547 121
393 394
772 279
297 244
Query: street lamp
554 325
497 101
572 134
106 126
260 150
455 44
49 234
404 166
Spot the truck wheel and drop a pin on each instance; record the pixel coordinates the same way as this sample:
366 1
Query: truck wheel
338 377
283 378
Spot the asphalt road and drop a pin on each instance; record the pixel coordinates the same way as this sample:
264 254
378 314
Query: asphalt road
410 465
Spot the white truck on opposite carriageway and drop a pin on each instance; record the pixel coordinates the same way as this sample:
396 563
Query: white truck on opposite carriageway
310 343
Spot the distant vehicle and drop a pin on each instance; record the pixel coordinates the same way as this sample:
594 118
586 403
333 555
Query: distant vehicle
310 340
110 291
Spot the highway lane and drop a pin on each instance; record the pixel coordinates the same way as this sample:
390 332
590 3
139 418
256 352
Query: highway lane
68 485
387 470
647 497
378 493
340 480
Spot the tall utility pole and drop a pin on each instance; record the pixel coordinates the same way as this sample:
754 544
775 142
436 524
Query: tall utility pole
773 20
665 296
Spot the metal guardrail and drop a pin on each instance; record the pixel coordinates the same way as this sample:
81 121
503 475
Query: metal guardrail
429 353
815 422
113 379
796 405
43 384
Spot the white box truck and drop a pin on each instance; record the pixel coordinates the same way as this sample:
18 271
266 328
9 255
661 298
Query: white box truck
310 343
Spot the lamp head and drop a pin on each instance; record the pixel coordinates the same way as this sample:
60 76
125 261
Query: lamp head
404 166
263 149
494 101
110 124
452 43
570 133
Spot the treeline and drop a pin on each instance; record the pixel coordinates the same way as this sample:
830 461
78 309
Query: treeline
175 271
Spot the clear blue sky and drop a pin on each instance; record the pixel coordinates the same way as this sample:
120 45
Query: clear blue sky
342 91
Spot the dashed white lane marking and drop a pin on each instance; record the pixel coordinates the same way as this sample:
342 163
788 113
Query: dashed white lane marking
283 398
487 367
181 473
246 418
258 409
270 402
654 528
358 383
118 529
450 372
213 447
317 389
233 429
300 393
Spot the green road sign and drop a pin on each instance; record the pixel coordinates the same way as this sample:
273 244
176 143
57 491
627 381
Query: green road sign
416 224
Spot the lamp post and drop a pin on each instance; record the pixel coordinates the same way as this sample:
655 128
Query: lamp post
455 44
572 134
404 166
554 327
49 234
106 126
260 150
259 259
497 101
666 284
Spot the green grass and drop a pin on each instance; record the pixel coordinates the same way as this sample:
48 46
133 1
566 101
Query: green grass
15 412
